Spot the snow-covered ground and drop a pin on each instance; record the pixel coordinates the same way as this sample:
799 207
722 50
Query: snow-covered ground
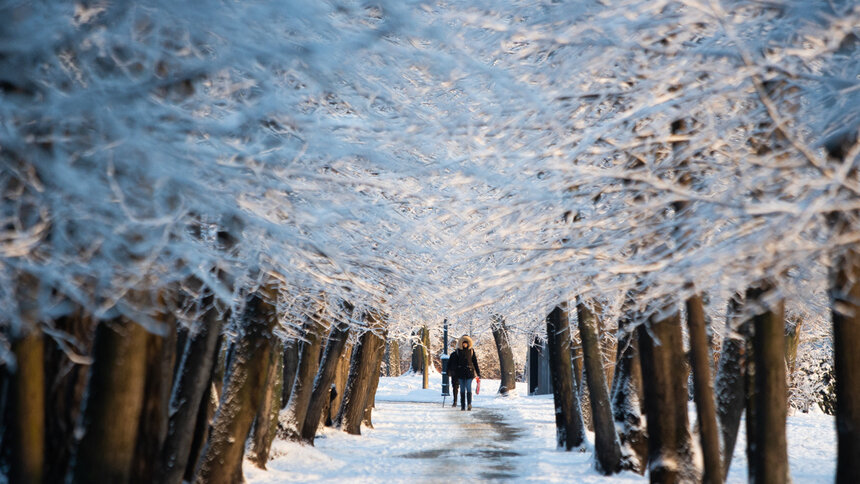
502 439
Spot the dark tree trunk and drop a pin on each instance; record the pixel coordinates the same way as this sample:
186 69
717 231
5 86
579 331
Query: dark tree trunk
845 311
152 430
625 399
700 360
769 461
113 405
570 431
425 357
322 384
293 417
731 374
361 370
291 366
417 351
664 379
27 409
340 377
506 356
196 371
370 401
205 414
66 370
221 461
266 422
606 445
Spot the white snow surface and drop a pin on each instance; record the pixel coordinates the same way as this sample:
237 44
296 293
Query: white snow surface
503 439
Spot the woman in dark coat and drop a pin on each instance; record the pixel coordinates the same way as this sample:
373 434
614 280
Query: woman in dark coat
466 369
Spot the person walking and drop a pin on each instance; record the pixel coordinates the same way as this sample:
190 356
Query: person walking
466 370
452 373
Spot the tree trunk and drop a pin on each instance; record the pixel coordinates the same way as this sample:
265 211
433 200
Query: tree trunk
731 374
322 384
113 406
370 401
700 360
205 415
221 461
425 355
393 358
570 431
417 352
625 399
661 352
66 369
792 341
340 377
27 409
291 365
266 422
578 375
606 445
769 462
506 356
196 371
293 417
361 369
152 430
845 311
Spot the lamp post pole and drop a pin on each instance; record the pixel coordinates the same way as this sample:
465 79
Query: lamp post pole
444 359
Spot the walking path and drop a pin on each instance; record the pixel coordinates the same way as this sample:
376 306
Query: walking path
510 439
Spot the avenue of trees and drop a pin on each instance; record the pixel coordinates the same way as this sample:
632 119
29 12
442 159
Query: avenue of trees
218 218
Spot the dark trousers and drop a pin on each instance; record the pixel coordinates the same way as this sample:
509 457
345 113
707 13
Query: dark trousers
455 387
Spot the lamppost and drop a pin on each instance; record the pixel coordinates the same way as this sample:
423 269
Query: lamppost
444 359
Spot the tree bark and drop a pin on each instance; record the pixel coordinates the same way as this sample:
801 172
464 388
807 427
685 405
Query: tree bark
196 371
27 407
205 415
845 311
370 401
221 461
700 360
340 377
731 374
570 431
392 358
291 365
322 384
425 357
661 352
266 422
293 417
606 445
152 430
361 369
769 461
506 356
625 399
66 368
113 406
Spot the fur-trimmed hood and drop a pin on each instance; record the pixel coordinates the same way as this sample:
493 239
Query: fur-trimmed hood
465 337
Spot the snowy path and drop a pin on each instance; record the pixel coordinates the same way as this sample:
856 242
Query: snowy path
415 442
502 439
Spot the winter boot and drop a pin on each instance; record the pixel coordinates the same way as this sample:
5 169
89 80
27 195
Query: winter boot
469 398
454 404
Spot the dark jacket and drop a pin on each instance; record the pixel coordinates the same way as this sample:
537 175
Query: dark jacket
452 366
466 365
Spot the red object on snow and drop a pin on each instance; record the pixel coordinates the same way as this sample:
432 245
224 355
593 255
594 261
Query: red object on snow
478 387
